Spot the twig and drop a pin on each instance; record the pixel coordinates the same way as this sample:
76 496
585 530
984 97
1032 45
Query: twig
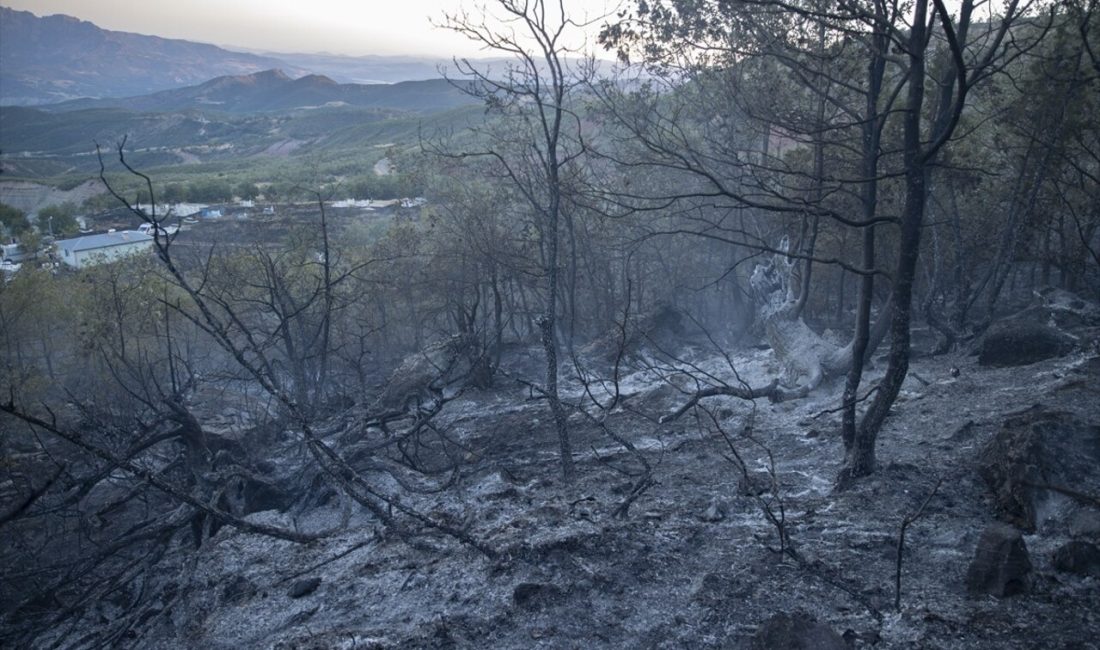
776 516
838 409
905 523
332 559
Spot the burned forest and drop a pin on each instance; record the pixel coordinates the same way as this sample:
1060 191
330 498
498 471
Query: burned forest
684 324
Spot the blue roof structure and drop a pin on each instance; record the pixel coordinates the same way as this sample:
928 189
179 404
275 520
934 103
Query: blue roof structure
105 240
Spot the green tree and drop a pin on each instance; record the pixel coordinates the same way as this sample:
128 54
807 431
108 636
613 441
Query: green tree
98 203
13 219
173 193
211 190
247 191
360 188
30 242
59 219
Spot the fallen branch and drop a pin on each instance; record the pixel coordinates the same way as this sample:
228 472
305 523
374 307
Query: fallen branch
638 490
314 567
156 481
770 391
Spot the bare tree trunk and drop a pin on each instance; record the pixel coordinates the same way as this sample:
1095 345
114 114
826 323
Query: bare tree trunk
547 325
807 267
860 450
327 307
540 83
809 246
872 132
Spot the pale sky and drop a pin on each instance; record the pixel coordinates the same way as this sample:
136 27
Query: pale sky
355 27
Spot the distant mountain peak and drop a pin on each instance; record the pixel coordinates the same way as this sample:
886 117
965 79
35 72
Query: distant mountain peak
59 57
266 78
62 17
274 73
315 80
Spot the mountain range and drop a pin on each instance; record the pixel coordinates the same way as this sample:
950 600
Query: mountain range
275 91
55 58
371 69
51 59
66 84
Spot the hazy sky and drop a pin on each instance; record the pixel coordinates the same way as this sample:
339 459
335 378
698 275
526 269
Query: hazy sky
338 26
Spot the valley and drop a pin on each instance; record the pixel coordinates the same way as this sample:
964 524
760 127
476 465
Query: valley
57 146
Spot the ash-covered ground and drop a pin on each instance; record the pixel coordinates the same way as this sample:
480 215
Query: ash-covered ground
695 562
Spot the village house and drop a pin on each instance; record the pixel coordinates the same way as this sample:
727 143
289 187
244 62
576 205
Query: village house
82 252
12 252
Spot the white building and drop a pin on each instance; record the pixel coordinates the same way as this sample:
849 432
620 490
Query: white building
352 203
82 252
164 213
13 253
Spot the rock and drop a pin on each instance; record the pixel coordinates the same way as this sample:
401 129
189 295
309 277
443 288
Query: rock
796 631
533 595
716 511
1019 343
1001 564
304 587
1082 558
1034 448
